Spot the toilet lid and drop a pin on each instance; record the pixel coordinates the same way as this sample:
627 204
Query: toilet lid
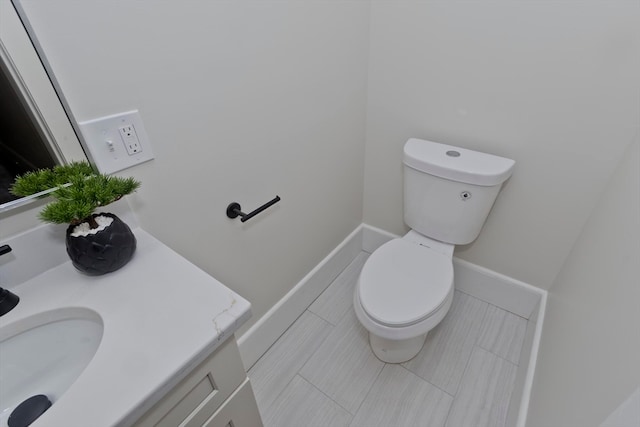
403 282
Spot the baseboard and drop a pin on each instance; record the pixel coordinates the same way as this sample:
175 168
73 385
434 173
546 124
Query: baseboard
373 238
257 339
519 404
502 291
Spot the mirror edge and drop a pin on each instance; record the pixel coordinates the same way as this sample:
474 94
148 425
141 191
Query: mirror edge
38 85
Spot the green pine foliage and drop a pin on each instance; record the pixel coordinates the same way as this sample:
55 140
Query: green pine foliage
80 191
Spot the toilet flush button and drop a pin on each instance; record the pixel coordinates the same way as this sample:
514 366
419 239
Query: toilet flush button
453 153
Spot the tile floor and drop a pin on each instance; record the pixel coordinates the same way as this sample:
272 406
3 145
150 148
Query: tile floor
321 372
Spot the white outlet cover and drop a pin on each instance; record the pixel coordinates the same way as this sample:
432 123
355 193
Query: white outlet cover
105 143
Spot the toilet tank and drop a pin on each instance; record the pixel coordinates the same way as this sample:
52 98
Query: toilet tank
449 191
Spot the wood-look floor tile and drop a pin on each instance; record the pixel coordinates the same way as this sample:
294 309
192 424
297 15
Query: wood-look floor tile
502 333
400 398
344 367
301 404
484 394
322 375
449 345
275 369
336 300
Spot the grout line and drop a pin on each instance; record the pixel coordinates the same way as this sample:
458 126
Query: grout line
270 407
496 355
476 342
347 282
466 366
331 327
297 373
464 372
277 341
482 327
426 381
453 401
325 395
369 391
483 300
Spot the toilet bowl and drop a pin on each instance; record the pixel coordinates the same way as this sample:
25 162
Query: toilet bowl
404 290
406 286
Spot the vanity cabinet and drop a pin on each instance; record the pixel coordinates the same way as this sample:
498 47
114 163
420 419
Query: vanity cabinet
217 393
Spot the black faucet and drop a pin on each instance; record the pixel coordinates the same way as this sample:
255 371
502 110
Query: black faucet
8 300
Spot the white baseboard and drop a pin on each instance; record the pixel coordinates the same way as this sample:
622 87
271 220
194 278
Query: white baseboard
502 291
519 404
257 339
373 238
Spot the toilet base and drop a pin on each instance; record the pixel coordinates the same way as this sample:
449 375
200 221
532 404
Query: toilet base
396 351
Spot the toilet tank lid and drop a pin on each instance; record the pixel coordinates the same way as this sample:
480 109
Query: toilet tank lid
457 164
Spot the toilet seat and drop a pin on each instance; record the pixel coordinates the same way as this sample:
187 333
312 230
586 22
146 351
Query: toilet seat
403 283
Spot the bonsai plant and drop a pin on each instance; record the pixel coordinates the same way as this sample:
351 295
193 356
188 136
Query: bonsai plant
97 243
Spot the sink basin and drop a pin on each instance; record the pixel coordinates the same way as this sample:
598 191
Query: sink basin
44 354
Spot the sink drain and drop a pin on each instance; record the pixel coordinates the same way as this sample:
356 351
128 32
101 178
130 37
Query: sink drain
28 411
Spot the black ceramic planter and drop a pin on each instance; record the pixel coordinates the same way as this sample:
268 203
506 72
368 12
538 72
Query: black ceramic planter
103 252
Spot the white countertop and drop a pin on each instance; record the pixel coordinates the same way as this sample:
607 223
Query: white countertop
161 316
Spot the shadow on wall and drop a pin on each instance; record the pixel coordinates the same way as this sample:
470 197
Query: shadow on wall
590 346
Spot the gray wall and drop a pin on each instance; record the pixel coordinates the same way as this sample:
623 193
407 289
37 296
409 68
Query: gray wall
551 84
588 360
242 101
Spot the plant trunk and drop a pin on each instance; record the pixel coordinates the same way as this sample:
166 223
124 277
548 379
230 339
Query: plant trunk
92 222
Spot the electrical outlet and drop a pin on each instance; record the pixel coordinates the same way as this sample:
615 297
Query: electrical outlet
130 139
117 142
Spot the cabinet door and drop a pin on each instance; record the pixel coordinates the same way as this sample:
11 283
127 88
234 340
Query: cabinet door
201 393
240 410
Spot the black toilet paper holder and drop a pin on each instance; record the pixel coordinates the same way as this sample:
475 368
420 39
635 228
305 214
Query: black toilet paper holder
234 210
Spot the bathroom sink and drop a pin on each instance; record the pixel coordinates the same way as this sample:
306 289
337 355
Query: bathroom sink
44 354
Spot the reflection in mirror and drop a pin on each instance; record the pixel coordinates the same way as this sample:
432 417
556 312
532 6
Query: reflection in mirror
35 129
23 145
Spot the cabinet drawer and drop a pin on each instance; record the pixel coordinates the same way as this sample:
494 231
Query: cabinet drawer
240 410
201 393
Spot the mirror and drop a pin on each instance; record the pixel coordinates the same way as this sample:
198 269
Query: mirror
32 112
24 146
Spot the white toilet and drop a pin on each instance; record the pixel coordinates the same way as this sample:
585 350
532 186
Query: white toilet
406 286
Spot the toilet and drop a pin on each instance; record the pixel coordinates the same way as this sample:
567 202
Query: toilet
406 286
